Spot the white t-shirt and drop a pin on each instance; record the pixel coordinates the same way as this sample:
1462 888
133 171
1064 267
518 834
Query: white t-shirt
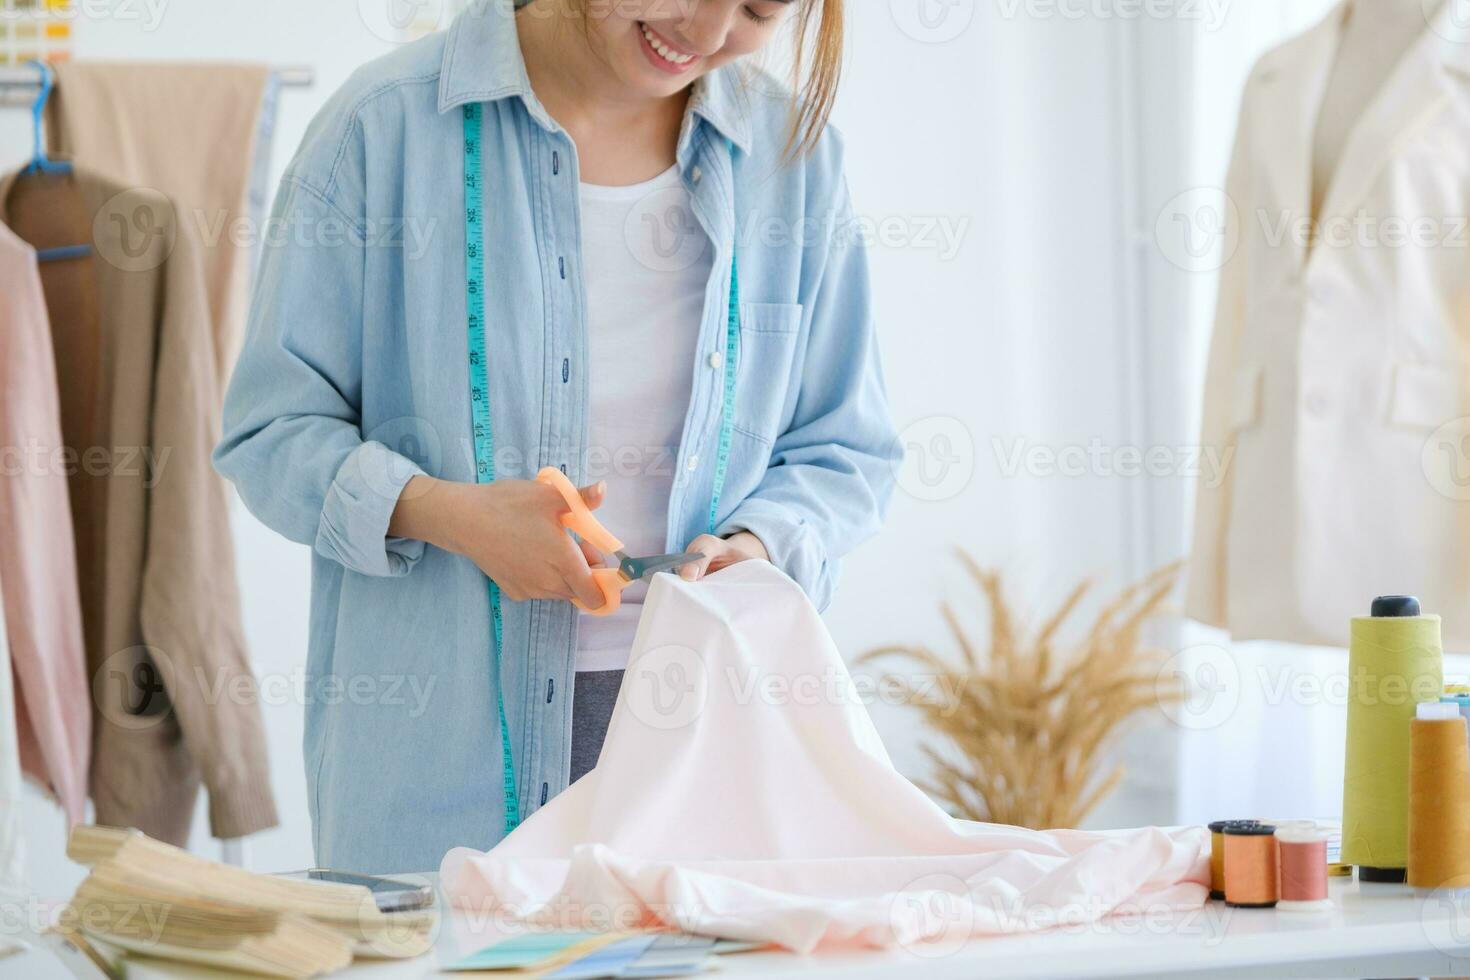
647 264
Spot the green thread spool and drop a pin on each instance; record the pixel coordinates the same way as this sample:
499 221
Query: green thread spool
1394 662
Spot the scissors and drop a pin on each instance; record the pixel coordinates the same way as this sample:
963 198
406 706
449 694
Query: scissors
612 581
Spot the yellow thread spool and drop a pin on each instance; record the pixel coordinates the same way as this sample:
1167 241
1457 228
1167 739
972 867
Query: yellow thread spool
1394 662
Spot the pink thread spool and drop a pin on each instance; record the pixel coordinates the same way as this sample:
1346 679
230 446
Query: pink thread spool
1302 850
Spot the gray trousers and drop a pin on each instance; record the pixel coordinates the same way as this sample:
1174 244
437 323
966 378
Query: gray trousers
592 707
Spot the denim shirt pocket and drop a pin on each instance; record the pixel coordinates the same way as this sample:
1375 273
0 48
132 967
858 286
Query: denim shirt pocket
768 339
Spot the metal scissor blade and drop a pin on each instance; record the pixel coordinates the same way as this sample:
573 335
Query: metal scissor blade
634 569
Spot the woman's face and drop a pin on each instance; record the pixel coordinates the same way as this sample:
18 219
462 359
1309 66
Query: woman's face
658 47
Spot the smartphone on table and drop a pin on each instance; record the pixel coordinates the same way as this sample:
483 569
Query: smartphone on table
391 894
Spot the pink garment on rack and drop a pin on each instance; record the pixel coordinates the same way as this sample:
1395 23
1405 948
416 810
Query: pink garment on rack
743 792
38 570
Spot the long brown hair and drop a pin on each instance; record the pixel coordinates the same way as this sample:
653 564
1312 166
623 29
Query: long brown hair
816 70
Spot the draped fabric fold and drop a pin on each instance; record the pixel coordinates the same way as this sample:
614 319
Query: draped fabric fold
743 792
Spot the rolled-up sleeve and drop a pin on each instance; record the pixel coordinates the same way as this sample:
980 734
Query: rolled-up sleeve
832 471
293 443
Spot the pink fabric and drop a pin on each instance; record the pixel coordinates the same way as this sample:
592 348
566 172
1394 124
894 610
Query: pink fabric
38 573
743 792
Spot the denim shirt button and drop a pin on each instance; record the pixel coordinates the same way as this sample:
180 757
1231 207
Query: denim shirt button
696 174
693 463
716 360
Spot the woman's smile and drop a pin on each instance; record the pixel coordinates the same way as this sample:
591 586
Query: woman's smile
662 53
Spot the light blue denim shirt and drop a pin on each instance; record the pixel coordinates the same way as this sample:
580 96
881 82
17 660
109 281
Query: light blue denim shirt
354 378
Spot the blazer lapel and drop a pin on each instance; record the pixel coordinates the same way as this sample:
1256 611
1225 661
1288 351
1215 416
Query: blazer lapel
1413 95
1292 91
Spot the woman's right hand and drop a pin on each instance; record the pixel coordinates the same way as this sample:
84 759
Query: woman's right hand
511 529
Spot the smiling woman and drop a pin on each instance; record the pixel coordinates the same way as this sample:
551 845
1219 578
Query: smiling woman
716 398
681 39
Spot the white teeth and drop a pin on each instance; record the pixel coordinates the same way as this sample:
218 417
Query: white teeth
664 51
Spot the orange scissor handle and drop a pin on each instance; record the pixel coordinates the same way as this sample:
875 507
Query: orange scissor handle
579 520
579 517
612 584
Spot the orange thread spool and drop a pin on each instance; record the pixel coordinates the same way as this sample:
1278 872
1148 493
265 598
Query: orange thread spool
1250 866
1217 853
1302 848
1439 798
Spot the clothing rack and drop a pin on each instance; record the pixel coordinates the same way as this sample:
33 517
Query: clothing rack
19 85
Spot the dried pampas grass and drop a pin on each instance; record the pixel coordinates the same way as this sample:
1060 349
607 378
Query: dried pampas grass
1030 726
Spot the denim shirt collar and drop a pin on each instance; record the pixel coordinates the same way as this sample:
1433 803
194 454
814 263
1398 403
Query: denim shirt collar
483 63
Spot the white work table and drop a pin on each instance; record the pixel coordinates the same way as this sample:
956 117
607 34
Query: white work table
1374 930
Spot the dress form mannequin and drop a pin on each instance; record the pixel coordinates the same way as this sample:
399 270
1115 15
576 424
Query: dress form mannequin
1375 35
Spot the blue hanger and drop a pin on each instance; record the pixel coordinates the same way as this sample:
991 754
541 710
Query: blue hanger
42 164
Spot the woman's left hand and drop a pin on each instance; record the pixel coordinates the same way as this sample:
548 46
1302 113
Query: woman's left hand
719 552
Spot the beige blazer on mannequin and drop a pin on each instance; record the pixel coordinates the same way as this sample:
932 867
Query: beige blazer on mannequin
1339 372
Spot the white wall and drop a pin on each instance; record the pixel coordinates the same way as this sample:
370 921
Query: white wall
1000 119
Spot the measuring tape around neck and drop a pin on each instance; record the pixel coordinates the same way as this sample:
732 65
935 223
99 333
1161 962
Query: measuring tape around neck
483 430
